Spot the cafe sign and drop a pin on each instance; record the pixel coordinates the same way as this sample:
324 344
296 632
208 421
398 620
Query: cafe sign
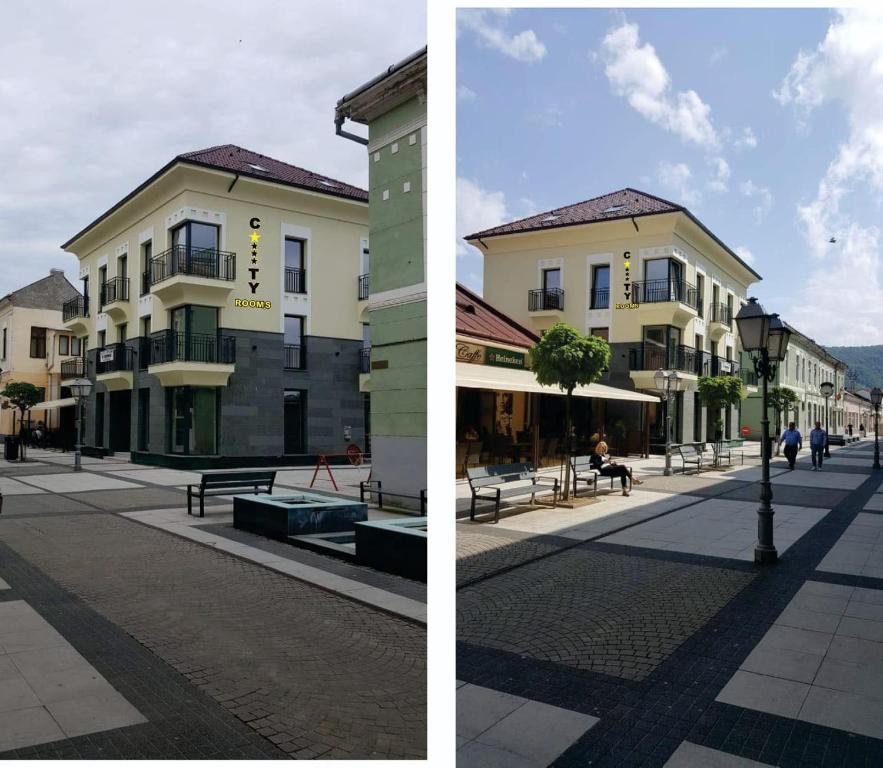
504 358
470 353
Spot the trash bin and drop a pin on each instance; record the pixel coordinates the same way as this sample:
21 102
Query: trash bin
10 448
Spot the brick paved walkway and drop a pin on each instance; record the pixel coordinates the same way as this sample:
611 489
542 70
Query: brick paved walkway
315 674
677 656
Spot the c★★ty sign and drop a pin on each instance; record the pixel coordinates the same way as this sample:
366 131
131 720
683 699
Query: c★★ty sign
253 270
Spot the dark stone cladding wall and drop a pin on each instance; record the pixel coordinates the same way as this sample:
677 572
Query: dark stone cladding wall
251 418
618 376
331 380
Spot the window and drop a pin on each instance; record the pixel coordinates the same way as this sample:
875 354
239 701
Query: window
76 346
551 279
102 279
123 266
38 342
196 250
295 274
196 333
700 295
4 344
662 280
293 340
145 326
64 345
122 332
102 339
146 256
604 333
192 415
600 287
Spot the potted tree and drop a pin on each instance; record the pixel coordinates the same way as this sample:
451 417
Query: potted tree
781 400
23 396
563 357
717 392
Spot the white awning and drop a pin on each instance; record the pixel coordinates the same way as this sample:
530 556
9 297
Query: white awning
48 405
516 380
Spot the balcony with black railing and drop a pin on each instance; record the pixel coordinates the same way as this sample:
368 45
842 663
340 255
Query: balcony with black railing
365 360
75 368
721 313
75 309
657 291
649 357
113 293
703 363
295 280
600 298
194 262
363 287
748 376
294 357
173 346
545 299
720 366
113 358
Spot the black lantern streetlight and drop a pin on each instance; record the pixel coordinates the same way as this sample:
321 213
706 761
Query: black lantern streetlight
876 397
765 338
668 382
827 389
80 389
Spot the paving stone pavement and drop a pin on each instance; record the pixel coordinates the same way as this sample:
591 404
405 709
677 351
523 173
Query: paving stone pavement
312 673
541 644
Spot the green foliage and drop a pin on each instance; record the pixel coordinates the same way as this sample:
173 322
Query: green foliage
565 358
717 392
22 395
865 363
782 399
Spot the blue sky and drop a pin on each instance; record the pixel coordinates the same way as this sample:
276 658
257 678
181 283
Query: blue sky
767 124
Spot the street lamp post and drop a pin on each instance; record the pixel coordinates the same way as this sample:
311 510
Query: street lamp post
80 389
765 338
827 389
668 382
876 397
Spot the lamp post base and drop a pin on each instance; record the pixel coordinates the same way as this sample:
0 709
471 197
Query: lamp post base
765 555
77 465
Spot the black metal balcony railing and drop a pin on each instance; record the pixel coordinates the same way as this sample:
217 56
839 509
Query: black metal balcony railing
197 262
118 358
295 280
115 289
74 368
601 298
170 346
655 291
545 298
721 313
78 307
365 360
720 366
294 357
649 357
363 287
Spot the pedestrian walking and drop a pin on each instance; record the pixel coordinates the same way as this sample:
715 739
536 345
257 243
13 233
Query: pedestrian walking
849 429
793 441
861 431
817 440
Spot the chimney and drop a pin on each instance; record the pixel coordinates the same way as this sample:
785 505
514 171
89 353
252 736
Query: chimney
55 271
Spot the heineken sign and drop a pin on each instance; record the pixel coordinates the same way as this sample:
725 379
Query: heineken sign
504 358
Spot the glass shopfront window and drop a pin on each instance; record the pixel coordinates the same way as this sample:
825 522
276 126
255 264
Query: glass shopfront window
193 416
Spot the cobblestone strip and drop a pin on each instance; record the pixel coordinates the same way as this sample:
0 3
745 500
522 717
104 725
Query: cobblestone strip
317 675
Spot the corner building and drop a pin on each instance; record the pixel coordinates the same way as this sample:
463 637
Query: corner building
220 314
643 273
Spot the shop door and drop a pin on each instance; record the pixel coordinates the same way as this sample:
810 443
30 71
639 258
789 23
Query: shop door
99 420
295 415
120 421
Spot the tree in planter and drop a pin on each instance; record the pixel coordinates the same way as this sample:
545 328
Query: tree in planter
23 396
717 392
563 357
781 400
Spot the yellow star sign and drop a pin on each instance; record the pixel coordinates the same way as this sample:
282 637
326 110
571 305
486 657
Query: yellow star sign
255 237
628 264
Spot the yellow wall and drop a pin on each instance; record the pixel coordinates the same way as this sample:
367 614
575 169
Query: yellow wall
335 230
513 264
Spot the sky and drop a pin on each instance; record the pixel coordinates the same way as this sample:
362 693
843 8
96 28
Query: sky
766 123
98 96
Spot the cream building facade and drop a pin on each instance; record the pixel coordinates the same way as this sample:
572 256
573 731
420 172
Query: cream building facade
34 345
221 313
640 271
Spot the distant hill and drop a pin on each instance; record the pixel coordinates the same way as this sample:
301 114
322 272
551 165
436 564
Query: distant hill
865 363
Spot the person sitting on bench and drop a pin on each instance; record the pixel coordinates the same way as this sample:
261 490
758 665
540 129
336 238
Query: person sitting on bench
601 462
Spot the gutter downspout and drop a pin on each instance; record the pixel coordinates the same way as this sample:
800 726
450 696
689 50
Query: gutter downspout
338 130
232 183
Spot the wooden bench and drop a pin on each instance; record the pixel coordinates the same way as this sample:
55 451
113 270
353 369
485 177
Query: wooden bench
582 471
499 481
228 483
691 453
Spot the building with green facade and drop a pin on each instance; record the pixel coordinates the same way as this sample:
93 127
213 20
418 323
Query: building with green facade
393 107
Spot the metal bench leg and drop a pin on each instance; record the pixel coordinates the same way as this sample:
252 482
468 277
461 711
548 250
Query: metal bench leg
202 505
497 510
189 502
472 508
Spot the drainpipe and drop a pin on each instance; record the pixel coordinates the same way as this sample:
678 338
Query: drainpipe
338 130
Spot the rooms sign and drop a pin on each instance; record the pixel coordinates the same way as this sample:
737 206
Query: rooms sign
254 269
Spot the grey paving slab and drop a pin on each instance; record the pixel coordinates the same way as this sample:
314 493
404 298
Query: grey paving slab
476 755
784 663
689 755
101 710
875 503
3 584
74 482
809 479
791 495
846 711
764 693
9 486
26 727
479 708
41 504
850 678
136 498
15 693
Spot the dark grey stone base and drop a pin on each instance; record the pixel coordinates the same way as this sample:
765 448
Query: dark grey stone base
394 547
279 517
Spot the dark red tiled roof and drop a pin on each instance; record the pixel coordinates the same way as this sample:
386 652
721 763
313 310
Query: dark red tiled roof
616 205
623 204
475 317
229 157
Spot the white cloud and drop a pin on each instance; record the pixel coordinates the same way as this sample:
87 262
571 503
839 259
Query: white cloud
743 253
721 175
677 177
465 93
847 68
477 209
762 197
89 113
489 28
636 73
747 140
